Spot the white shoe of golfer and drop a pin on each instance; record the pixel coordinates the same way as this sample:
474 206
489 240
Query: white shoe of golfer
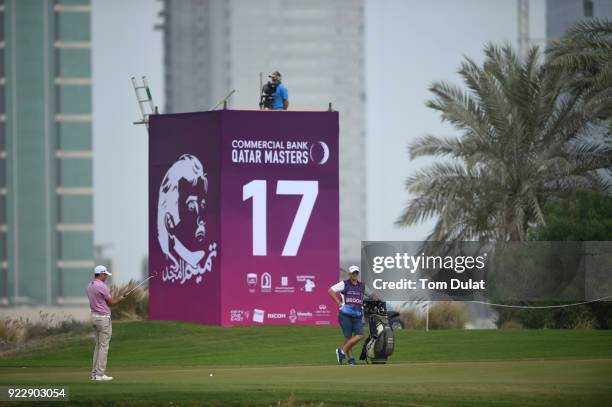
103 378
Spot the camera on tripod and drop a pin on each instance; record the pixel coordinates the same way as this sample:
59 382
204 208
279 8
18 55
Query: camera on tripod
268 91
266 99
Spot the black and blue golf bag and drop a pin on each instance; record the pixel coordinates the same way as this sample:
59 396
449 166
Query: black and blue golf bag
381 341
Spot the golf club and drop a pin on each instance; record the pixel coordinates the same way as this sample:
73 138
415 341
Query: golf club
139 284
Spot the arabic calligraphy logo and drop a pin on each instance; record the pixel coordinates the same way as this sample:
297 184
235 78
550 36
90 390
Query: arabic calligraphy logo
181 224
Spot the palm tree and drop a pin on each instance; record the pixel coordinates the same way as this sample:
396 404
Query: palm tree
523 142
585 55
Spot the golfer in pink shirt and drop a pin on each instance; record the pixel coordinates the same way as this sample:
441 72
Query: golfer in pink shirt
100 301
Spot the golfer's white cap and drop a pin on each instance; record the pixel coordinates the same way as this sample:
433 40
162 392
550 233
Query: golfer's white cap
353 269
102 270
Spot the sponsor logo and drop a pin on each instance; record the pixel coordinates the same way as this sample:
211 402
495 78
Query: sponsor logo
252 281
295 316
322 311
266 282
279 152
319 152
239 315
284 286
258 315
272 315
281 290
309 285
322 322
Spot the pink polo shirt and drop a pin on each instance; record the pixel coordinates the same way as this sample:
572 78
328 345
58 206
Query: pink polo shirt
98 293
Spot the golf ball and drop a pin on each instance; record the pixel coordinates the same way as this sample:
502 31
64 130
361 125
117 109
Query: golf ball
211 375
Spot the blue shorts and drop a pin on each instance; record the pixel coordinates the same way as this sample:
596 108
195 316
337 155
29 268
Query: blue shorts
350 325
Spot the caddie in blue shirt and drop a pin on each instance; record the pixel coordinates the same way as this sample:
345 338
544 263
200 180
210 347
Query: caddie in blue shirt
350 313
281 96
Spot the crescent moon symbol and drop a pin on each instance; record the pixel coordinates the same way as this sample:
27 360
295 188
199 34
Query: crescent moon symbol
325 152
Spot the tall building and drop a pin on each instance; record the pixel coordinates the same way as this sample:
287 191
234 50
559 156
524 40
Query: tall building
561 15
46 200
212 47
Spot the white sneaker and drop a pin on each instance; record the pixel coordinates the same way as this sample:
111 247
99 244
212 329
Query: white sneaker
103 378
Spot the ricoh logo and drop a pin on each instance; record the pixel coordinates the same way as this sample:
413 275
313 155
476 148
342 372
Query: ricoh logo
276 316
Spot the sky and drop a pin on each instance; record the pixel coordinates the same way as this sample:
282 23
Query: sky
408 46
124 44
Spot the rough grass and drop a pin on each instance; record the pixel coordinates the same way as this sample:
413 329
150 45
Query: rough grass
16 334
156 363
135 306
442 315
22 333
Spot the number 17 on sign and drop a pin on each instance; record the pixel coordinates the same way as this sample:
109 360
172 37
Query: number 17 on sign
256 190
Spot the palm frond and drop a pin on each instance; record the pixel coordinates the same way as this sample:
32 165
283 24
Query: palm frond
524 140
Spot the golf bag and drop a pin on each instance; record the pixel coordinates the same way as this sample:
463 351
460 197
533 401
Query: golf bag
381 341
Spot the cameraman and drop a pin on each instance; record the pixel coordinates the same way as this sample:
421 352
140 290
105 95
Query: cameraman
281 96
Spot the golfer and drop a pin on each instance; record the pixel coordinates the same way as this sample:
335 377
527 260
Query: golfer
100 301
350 313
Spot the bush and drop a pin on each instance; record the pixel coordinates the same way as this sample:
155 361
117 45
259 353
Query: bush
47 325
12 331
17 332
412 319
511 324
580 316
442 315
447 315
135 306
602 312
583 216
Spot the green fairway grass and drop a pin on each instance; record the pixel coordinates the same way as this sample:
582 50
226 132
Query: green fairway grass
158 363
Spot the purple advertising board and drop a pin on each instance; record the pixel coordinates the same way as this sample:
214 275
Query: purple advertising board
243 217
